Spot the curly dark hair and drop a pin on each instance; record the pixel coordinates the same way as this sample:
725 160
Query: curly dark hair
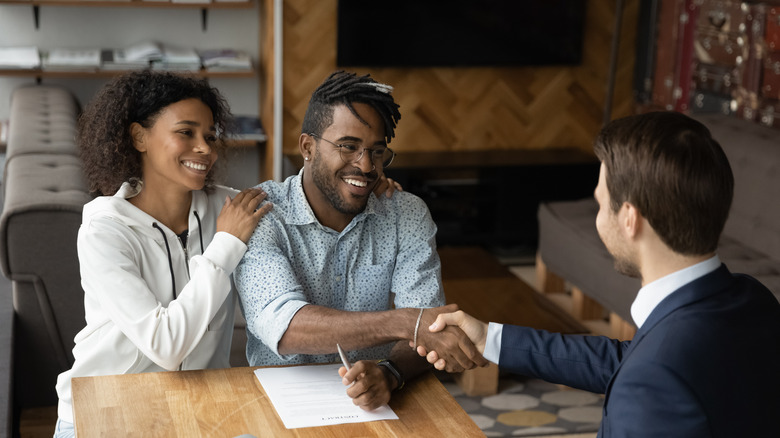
344 88
104 138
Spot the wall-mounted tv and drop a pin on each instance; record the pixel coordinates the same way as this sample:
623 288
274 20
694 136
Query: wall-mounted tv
459 33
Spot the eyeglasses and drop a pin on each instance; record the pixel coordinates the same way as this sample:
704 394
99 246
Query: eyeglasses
352 152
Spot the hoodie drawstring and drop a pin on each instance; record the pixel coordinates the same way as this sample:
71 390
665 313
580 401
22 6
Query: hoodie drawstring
200 233
168 248
170 261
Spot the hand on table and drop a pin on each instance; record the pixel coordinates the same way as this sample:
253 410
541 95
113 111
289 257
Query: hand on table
370 386
475 329
454 349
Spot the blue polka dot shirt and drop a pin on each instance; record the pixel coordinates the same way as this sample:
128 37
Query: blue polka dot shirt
386 256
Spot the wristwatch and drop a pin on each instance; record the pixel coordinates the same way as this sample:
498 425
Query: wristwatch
390 365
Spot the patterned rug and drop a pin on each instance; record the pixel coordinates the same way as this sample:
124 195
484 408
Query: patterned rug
530 407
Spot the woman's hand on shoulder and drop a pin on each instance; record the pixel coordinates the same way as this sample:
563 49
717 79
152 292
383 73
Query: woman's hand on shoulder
388 186
241 214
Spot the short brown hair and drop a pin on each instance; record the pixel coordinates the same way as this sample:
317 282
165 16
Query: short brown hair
671 169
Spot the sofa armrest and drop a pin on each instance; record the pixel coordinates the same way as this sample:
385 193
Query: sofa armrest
6 357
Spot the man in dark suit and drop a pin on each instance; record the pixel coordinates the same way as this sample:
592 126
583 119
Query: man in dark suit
705 361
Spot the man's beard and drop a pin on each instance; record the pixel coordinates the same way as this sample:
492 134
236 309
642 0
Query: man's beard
626 267
328 187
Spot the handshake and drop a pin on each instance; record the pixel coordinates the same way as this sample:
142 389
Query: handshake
454 341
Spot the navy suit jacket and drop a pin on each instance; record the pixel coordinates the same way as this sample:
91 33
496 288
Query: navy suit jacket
706 363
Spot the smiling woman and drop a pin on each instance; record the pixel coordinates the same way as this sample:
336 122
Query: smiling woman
155 299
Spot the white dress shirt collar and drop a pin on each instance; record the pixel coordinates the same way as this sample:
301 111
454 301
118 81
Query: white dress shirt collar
653 293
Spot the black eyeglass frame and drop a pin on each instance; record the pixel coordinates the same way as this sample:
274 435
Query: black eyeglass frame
344 149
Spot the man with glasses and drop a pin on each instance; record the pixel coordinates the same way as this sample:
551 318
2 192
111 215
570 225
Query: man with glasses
333 264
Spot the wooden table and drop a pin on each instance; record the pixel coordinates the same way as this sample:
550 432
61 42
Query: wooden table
488 291
230 402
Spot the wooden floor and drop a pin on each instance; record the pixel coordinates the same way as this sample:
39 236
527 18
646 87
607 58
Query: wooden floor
39 422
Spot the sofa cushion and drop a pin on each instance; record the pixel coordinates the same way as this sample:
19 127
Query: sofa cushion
43 120
754 154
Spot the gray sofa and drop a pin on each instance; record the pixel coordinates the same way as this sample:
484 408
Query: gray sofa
570 249
44 193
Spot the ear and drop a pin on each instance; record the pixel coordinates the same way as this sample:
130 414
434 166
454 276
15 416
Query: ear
306 145
137 132
630 220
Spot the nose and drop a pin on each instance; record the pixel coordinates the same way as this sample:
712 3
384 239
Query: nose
363 161
203 146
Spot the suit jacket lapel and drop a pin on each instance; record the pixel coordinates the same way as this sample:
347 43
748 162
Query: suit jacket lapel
697 290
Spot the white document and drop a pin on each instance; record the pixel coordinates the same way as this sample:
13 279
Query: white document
313 395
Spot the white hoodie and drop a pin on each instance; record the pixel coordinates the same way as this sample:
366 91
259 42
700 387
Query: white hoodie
130 266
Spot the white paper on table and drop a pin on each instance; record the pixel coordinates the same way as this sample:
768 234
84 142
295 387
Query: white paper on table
313 395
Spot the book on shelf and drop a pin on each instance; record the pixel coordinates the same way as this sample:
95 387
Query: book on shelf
177 59
21 57
249 128
61 59
134 57
225 60
115 59
143 51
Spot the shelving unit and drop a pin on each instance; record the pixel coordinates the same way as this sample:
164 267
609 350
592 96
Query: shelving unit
41 74
204 7
263 59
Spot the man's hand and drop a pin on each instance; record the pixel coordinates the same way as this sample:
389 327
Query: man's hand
370 388
455 351
475 329
388 186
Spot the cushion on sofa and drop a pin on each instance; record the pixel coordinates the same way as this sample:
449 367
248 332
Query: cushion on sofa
754 154
43 120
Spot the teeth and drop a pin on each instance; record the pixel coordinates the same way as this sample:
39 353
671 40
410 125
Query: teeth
355 182
195 166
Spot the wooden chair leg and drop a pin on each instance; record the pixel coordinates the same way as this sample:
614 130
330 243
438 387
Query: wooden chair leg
584 307
546 281
620 328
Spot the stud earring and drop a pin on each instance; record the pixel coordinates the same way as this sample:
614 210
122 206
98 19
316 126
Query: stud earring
307 158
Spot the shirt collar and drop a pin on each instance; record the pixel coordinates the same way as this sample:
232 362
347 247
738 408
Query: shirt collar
653 293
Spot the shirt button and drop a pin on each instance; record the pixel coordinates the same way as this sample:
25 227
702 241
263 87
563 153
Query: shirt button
338 278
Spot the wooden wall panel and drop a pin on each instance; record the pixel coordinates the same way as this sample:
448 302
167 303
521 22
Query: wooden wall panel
471 108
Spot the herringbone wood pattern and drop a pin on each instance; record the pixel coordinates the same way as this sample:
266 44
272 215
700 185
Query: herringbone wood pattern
471 108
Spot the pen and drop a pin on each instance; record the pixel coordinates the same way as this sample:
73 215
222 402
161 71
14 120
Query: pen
343 357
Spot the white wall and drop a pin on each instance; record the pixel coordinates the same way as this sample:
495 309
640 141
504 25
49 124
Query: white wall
117 27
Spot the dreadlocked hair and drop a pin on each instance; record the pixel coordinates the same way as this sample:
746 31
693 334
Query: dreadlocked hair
343 88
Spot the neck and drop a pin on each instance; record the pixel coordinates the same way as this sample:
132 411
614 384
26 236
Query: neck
171 208
662 262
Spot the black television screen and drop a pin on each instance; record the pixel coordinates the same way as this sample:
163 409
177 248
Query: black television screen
459 33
